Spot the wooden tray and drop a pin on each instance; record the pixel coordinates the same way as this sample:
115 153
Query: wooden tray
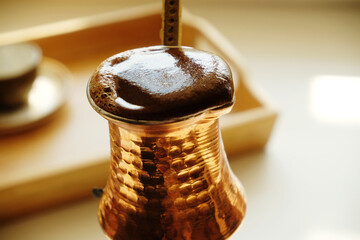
64 159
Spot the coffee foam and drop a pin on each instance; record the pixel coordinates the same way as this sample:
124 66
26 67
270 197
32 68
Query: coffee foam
161 83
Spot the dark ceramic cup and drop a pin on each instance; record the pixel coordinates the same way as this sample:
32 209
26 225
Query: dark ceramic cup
18 70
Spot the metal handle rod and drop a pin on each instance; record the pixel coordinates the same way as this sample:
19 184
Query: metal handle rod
171 24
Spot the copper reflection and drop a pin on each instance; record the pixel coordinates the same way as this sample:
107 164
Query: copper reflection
170 181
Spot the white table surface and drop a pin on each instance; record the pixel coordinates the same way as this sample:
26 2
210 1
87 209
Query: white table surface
306 183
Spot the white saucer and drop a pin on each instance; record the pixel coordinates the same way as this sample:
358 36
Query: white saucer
47 95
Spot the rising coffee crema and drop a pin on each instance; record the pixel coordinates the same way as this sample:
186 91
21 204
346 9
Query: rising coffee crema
161 83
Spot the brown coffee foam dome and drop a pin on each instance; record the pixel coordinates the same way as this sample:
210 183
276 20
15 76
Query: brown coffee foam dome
161 83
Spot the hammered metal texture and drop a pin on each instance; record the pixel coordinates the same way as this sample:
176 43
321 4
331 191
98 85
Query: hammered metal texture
170 185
